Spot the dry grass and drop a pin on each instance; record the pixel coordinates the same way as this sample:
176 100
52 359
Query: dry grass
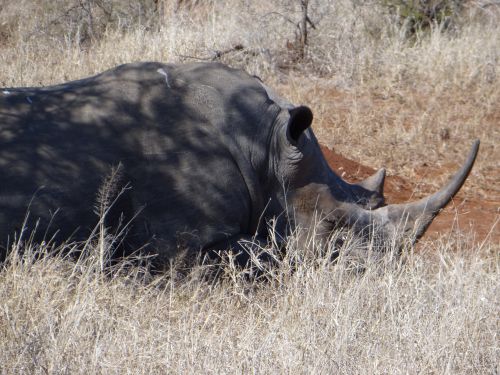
377 97
436 312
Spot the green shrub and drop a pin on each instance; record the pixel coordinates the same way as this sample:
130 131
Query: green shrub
416 16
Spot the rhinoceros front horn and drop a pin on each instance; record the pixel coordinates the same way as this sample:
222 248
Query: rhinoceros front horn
415 217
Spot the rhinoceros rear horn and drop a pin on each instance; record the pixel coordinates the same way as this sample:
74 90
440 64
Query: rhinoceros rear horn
300 119
374 182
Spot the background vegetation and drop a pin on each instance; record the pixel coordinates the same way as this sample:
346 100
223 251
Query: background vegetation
403 84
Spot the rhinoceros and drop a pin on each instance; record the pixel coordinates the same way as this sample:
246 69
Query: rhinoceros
208 154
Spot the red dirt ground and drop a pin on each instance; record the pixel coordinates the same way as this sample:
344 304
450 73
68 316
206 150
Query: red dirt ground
464 214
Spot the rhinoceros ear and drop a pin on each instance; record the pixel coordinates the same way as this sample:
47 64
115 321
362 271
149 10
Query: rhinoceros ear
300 119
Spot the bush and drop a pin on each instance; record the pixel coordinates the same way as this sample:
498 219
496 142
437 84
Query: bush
416 16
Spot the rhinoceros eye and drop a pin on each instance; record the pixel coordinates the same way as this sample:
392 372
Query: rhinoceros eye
300 119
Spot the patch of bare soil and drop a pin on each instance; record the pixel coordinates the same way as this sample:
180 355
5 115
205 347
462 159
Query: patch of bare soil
465 214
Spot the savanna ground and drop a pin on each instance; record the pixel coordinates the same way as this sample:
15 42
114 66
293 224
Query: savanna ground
390 85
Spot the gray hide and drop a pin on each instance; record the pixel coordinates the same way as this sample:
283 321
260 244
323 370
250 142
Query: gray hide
208 153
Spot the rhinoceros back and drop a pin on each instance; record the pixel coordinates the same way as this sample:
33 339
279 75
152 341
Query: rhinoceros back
174 131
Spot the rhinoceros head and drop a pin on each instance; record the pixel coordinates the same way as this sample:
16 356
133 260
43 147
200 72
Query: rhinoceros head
317 196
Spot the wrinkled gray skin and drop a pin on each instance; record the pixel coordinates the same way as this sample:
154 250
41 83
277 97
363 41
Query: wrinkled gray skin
210 154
